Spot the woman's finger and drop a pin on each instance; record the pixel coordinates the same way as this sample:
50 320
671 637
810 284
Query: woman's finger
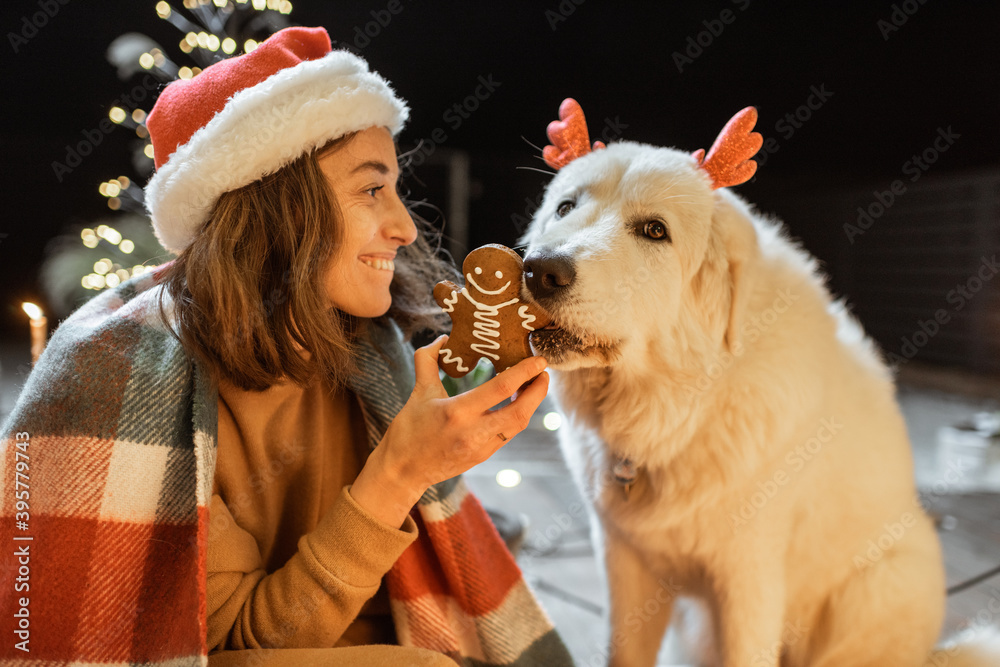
512 419
425 361
503 386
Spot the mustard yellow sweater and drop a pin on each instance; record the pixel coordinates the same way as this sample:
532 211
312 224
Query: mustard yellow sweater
293 561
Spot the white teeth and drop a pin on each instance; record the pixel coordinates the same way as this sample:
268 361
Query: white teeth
381 264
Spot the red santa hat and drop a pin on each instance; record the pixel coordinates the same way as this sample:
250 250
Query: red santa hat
246 117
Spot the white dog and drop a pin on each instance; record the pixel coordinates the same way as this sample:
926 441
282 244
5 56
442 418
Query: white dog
735 432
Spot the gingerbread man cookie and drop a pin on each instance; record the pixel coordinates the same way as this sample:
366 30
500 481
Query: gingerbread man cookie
488 316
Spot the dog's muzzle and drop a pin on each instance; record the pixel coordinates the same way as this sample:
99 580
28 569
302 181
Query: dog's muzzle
548 275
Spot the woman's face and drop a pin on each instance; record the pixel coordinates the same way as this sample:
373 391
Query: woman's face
362 174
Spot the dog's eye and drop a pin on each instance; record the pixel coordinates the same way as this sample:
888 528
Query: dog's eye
565 207
656 230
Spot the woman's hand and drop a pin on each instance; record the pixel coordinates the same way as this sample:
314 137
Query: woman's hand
436 437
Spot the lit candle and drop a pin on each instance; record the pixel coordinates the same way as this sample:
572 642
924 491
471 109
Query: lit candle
39 329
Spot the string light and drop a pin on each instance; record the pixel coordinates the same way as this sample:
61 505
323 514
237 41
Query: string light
39 329
106 273
33 311
552 421
113 236
508 478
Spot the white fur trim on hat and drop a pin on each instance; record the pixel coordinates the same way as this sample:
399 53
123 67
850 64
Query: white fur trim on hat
260 130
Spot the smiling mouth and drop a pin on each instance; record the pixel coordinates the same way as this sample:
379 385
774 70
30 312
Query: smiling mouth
380 264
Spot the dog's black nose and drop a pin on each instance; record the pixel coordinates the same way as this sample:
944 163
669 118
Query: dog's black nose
548 274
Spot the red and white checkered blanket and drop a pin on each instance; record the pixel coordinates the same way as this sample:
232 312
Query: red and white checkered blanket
107 467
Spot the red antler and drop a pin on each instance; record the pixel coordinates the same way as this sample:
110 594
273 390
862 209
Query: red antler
728 162
569 134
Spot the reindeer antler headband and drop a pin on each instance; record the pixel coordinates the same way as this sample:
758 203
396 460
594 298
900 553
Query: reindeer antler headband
569 134
728 162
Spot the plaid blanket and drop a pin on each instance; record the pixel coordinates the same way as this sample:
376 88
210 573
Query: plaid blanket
107 467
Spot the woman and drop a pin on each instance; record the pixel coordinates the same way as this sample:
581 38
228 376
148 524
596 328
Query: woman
200 436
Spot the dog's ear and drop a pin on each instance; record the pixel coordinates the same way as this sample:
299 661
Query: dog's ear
742 250
727 271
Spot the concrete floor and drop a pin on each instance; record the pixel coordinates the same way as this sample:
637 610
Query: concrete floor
557 557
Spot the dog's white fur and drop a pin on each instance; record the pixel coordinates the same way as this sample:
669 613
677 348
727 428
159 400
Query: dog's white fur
775 472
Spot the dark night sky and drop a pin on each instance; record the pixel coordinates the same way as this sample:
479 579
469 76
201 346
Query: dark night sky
888 98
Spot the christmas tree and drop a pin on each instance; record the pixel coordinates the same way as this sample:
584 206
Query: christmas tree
86 260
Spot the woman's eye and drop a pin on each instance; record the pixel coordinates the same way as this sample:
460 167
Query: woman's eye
565 207
372 191
656 230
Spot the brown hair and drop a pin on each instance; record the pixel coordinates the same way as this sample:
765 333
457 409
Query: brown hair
248 291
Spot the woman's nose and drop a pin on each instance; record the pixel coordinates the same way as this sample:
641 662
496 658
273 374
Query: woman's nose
400 225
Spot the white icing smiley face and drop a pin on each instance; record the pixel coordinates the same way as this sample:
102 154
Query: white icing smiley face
479 271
